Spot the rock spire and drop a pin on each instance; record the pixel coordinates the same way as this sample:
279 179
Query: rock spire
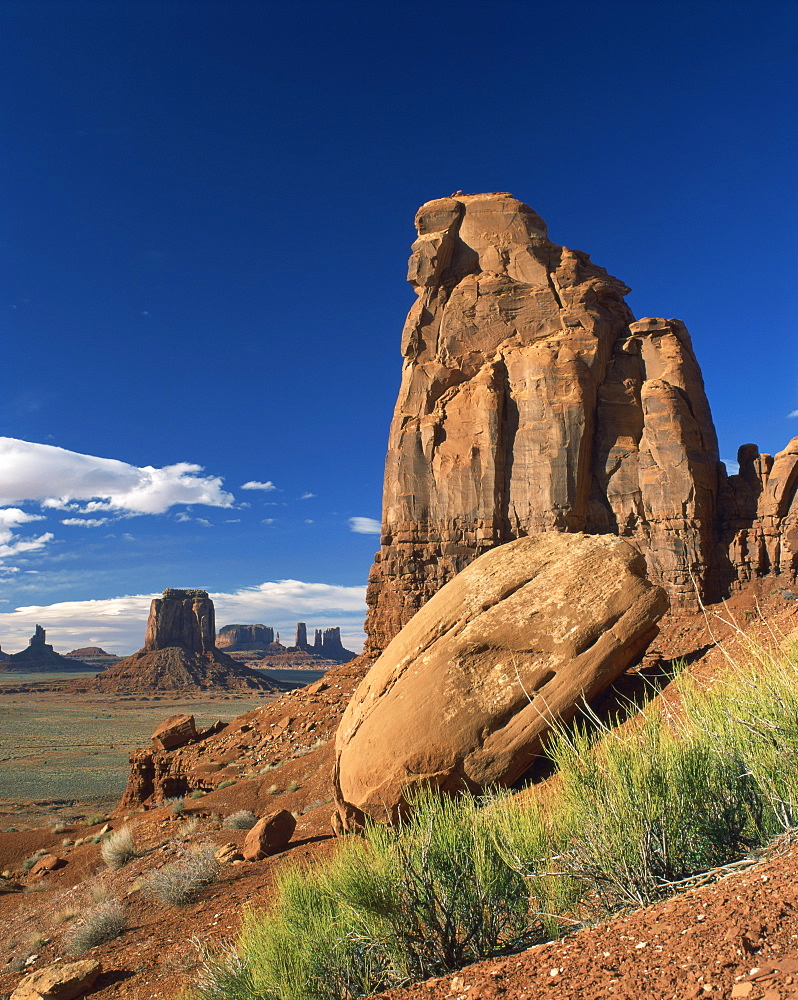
532 401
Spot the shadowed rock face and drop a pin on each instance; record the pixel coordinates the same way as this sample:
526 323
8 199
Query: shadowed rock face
182 618
243 637
532 401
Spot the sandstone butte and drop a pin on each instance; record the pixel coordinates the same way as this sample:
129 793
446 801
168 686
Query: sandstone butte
465 694
532 400
179 653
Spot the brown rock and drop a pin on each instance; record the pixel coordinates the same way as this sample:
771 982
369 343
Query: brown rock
761 514
179 654
465 694
59 982
269 835
245 637
49 863
228 852
175 732
182 618
531 401
317 687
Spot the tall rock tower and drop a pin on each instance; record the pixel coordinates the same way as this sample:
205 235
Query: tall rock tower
532 401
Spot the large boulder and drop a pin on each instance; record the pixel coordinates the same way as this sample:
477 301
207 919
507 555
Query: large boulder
464 695
59 982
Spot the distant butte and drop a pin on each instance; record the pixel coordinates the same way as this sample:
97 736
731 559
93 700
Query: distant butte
39 657
257 643
179 654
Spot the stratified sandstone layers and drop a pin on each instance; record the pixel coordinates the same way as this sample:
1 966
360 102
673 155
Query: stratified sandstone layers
532 401
182 618
464 696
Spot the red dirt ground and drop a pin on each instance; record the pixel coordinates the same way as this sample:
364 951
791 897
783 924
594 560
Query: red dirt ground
703 943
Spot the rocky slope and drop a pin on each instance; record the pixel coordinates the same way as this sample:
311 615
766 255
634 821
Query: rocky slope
531 400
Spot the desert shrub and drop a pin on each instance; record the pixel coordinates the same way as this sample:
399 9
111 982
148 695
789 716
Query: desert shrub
244 819
198 793
101 924
272 790
293 786
189 828
226 783
94 819
59 826
31 860
636 811
750 714
179 882
176 805
644 807
118 849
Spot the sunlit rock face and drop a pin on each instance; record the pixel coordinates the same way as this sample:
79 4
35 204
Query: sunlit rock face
532 401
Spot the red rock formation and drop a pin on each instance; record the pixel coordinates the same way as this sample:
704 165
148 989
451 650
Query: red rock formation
761 513
182 618
532 401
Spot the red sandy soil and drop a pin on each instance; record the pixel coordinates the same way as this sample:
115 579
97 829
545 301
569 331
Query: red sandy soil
703 943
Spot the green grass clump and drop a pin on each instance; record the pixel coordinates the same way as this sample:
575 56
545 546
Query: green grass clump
101 924
634 812
226 783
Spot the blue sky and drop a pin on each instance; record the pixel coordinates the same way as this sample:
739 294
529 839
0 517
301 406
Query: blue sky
209 210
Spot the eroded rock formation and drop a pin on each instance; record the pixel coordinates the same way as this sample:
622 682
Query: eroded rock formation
179 654
760 507
245 637
40 657
182 618
464 695
532 401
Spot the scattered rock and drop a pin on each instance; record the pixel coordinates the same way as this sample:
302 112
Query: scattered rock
463 697
59 982
49 863
270 835
228 852
175 732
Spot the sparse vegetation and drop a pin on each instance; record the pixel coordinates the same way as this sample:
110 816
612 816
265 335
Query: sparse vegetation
189 828
244 819
118 848
293 786
95 819
179 882
198 793
101 924
635 813
31 860
226 783
176 805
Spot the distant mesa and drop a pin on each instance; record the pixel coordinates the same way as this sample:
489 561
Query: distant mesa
39 658
94 657
260 642
179 654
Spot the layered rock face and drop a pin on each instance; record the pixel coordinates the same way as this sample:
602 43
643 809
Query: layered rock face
532 401
760 508
182 618
464 696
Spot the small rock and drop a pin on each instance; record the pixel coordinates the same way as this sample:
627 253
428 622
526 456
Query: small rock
317 687
269 835
175 732
106 829
49 863
228 852
59 982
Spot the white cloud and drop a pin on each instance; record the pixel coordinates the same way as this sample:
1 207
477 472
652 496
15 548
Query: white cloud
732 467
10 542
204 522
55 477
182 517
794 413
309 520
86 522
364 525
118 624
268 520
253 484
307 496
